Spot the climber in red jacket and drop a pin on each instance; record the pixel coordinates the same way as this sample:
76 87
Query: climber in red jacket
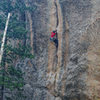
53 34
53 37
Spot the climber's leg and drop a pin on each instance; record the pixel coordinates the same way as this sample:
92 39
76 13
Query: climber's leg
56 42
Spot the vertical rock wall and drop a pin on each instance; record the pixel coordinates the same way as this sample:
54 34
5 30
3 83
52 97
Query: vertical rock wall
57 59
71 71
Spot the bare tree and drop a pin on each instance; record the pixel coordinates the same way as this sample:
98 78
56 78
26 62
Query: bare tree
1 53
4 37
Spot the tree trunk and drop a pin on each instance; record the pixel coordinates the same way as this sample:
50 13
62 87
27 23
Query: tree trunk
4 41
4 37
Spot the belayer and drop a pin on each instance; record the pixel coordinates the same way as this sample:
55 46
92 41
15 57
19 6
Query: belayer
53 38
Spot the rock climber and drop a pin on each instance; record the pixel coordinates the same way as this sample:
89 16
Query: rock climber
53 37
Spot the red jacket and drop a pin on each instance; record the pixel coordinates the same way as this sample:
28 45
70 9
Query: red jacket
52 34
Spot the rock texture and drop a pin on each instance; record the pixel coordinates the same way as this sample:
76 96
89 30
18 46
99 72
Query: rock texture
71 71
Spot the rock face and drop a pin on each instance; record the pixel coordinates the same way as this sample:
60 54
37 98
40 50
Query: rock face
71 71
